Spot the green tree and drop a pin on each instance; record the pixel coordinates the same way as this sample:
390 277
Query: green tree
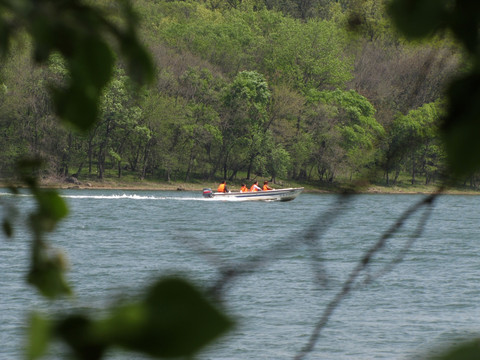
307 55
278 162
224 39
350 132
243 123
414 142
27 113
15 75
120 116
201 138
285 50
286 118
201 132
164 116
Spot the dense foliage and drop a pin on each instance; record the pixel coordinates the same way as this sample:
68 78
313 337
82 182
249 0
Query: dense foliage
243 89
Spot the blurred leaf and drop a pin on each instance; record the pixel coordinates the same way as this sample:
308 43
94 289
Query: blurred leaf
43 34
13 190
141 67
38 337
51 206
464 21
419 18
46 274
90 66
140 64
93 62
466 351
5 34
79 333
26 169
84 36
7 228
461 129
174 320
77 107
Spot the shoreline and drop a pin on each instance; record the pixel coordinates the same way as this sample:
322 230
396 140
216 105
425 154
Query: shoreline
182 186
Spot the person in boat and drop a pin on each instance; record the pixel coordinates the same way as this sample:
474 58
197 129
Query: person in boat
243 188
222 187
265 186
255 187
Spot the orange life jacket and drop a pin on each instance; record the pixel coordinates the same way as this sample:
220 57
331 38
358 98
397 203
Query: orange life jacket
265 187
221 188
244 189
253 188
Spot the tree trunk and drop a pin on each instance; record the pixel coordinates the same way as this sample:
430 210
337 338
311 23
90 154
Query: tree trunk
79 170
90 155
395 179
413 171
145 161
100 168
234 174
249 170
189 168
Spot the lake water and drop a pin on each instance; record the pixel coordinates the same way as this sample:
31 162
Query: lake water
118 241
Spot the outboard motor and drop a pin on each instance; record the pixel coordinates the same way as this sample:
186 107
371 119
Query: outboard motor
208 193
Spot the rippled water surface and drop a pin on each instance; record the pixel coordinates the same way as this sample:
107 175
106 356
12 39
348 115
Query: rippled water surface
118 241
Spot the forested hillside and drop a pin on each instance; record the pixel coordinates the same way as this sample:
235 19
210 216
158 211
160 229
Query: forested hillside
322 91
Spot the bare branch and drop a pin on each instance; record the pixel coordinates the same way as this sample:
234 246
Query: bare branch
362 265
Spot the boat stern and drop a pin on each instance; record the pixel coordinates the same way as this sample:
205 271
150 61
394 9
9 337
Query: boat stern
207 193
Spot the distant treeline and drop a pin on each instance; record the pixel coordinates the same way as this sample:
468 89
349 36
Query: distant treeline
299 90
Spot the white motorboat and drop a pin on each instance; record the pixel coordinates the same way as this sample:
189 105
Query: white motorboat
268 195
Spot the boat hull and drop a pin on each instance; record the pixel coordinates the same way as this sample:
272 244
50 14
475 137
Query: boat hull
269 195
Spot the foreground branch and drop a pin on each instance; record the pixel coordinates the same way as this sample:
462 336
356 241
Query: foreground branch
365 261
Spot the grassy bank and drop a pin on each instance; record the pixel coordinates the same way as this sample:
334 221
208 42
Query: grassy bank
127 183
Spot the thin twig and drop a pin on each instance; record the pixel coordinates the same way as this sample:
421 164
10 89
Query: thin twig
401 254
361 266
314 232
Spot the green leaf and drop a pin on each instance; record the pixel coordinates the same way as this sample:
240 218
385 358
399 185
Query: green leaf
174 320
39 335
